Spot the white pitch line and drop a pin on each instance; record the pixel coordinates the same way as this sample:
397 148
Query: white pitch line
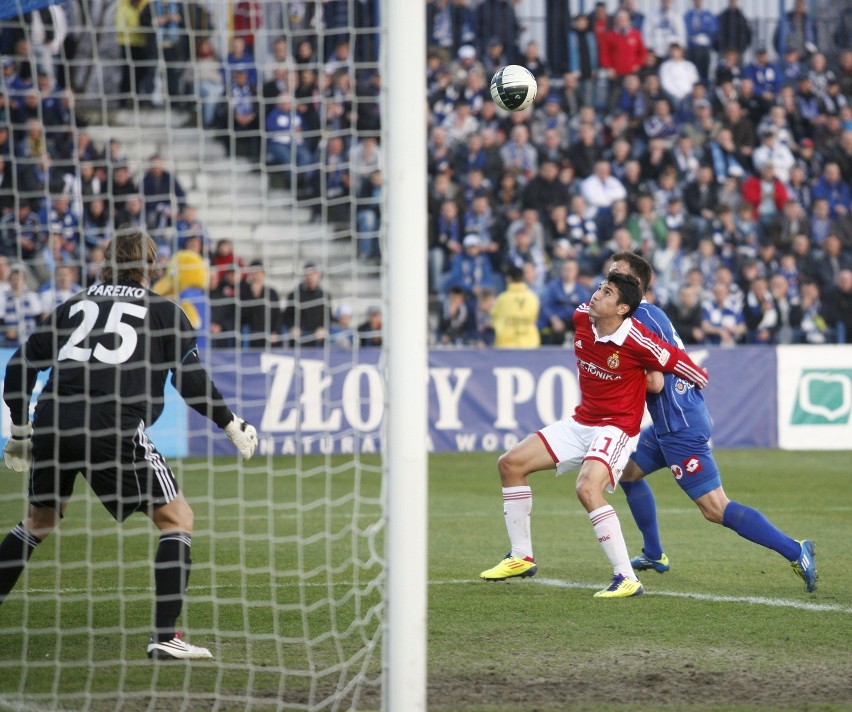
554 583
751 600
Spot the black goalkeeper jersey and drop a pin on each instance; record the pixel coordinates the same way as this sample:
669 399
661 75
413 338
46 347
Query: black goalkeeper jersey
112 347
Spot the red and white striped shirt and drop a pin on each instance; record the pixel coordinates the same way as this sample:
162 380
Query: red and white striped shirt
611 371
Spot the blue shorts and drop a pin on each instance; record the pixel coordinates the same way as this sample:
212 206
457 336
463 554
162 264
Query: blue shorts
686 453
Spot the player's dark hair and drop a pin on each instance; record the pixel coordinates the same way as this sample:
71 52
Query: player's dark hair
639 267
129 257
629 290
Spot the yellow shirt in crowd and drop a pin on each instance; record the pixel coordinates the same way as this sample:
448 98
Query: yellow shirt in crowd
515 315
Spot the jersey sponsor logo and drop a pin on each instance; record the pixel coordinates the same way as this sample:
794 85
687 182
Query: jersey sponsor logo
115 290
594 370
692 465
823 397
677 471
613 361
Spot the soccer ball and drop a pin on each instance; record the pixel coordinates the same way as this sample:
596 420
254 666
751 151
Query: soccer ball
513 88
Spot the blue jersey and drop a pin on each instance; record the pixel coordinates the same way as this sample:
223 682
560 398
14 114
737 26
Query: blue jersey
680 404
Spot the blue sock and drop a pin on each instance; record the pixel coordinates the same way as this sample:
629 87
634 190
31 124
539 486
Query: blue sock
754 526
643 507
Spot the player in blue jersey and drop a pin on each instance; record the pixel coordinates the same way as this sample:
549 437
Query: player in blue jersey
679 439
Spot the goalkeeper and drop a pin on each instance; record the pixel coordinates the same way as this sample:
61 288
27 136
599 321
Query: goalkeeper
111 349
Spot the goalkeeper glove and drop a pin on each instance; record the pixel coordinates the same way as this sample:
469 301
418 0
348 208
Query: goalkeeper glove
243 435
18 453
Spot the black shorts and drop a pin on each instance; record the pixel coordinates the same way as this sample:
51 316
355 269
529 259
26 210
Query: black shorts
119 461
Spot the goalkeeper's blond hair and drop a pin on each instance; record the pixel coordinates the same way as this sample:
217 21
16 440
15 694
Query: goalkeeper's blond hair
130 256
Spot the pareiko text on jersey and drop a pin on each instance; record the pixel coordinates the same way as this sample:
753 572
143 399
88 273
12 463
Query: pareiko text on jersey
115 290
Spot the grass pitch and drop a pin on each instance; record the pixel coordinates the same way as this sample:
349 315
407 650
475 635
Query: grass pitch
286 589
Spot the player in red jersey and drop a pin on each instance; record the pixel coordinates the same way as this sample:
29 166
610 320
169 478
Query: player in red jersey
613 353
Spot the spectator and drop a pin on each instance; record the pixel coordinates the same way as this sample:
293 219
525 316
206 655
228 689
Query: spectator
497 18
734 29
830 261
686 315
454 325
244 114
260 309
523 252
838 306
209 82
337 180
760 313
240 58
342 334
646 226
664 28
765 194
789 312
167 20
370 330
765 74
519 155
368 218
133 25
285 146
702 29
163 195
515 314
678 76
797 30
601 189
307 316
771 150
223 306
472 271
190 225
831 187
560 298
583 60
21 307
814 328
622 51
61 289
21 234
721 324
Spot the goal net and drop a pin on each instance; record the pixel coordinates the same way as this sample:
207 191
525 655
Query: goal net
247 138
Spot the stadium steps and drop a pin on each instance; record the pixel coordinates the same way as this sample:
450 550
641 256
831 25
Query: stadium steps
235 201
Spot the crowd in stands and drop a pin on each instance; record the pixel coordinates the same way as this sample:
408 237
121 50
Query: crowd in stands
723 157
679 135
63 196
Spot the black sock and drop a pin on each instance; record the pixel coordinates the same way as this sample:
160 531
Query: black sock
171 575
15 551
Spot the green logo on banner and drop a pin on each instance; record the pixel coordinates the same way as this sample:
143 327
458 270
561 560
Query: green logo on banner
823 397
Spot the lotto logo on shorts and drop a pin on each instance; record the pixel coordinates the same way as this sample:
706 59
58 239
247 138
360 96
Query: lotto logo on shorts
692 465
677 471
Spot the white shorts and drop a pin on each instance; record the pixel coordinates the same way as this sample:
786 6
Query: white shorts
569 443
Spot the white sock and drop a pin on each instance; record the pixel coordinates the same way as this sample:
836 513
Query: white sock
517 507
608 532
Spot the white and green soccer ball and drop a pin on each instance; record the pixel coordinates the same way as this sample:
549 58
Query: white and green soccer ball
513 88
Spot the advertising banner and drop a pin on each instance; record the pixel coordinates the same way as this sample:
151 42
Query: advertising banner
484 399
479 399
815 397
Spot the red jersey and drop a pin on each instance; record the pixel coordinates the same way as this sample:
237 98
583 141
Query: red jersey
611 371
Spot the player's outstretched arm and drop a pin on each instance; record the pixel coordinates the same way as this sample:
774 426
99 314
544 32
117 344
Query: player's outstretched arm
665 357
198 390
